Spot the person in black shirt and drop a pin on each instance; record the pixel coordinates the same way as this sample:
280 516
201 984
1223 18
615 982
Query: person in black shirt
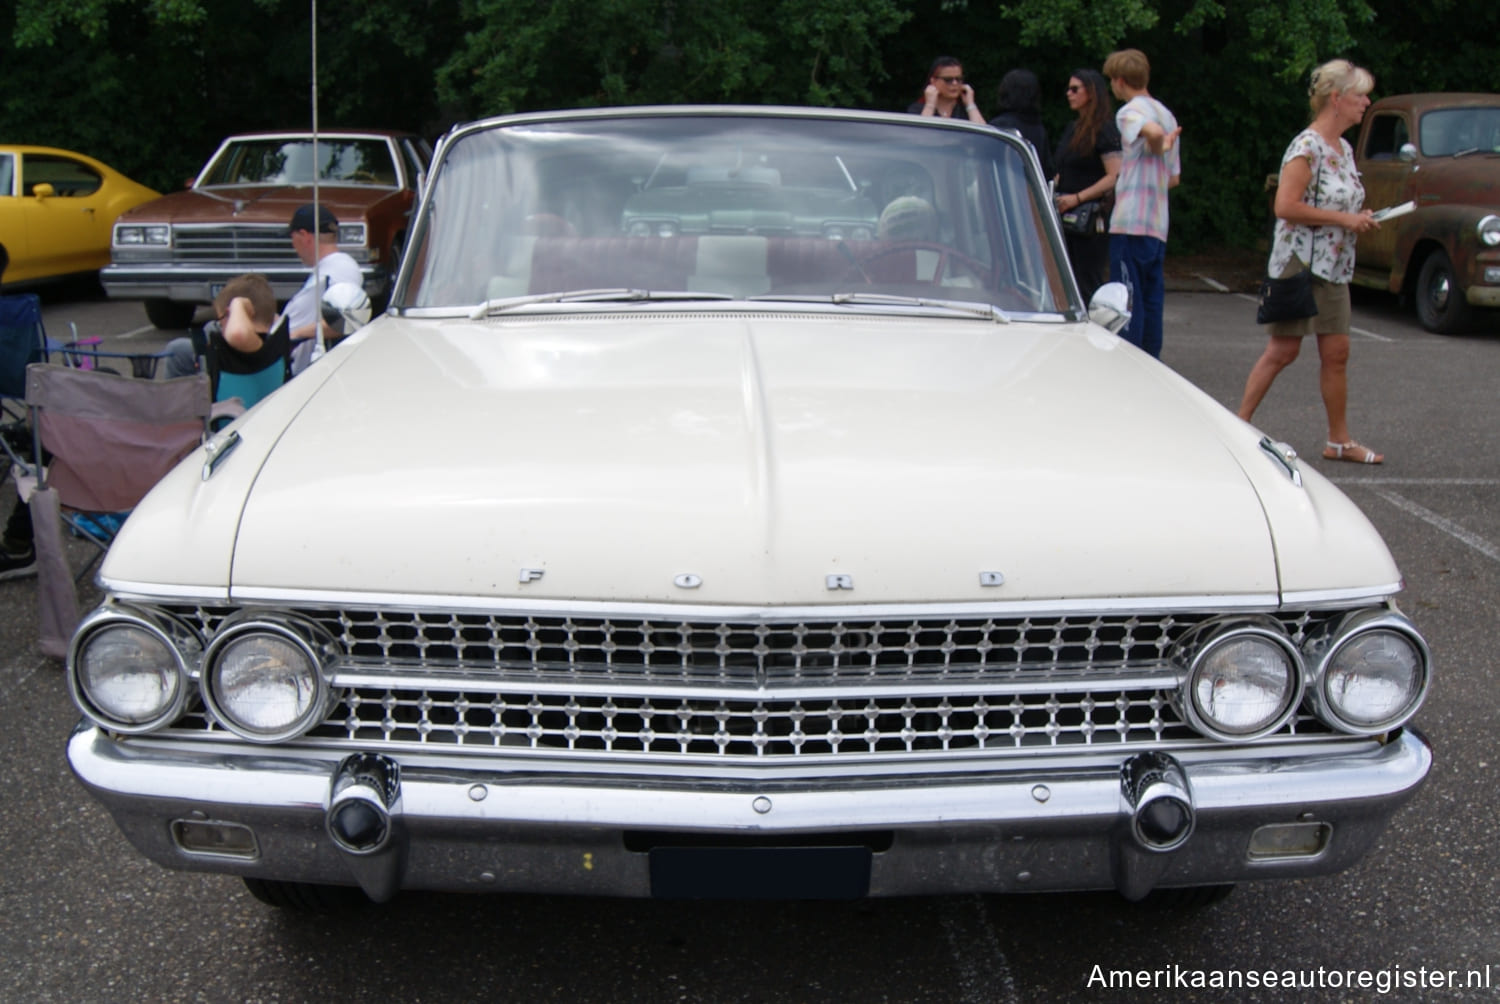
1088 162
1021 110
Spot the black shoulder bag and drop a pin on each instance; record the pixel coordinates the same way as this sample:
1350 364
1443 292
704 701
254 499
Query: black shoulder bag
1291 298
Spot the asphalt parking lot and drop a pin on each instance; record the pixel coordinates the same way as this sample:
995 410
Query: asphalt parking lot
83 918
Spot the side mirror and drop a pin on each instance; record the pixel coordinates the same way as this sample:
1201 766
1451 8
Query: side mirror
1110 307
42 190
1407 153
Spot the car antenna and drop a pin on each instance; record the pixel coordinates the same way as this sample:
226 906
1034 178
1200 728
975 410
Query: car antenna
319 345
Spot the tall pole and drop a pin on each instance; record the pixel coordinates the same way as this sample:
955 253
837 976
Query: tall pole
319 345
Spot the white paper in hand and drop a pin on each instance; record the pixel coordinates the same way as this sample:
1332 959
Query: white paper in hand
1391 212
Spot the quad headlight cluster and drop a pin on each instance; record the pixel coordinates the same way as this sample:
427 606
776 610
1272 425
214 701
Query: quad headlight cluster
1244 678
264 676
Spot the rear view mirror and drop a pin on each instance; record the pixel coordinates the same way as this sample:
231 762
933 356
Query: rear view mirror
1110 306
42 190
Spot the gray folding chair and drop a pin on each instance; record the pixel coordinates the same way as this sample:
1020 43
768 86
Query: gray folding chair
109 438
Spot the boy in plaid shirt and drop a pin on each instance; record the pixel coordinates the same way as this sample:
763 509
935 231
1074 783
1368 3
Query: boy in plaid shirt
1149 169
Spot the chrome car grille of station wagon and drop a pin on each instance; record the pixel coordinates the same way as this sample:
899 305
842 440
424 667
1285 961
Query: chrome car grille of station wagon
731 690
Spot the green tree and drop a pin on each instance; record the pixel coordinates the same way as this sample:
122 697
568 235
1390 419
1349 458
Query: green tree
151 86
520 56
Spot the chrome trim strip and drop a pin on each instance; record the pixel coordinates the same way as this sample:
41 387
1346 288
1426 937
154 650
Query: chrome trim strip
147 592
1335 597
623 684
503 605
1145 606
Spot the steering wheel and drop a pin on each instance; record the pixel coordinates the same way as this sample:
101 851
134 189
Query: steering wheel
946 258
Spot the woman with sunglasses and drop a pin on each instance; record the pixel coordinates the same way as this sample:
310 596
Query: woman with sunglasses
946 92
1088 163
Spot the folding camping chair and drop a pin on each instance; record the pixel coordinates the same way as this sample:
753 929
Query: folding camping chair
247 376
88 353
110 439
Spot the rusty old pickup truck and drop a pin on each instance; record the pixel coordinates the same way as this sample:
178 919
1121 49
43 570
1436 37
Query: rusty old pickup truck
1440 152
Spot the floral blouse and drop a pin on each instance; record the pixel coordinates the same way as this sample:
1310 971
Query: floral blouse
1334 185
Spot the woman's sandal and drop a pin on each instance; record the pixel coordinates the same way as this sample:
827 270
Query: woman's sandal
1352 452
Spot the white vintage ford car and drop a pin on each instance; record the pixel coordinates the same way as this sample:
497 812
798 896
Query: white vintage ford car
740 502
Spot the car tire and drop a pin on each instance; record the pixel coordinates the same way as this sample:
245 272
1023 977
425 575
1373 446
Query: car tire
169 314
1193 897
1441 306
306 897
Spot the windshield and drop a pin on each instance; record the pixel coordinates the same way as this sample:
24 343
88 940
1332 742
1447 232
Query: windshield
1460 130
743 206
290 162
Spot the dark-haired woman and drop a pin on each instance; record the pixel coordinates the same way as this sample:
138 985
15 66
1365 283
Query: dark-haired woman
1021 110
1088 163
947 92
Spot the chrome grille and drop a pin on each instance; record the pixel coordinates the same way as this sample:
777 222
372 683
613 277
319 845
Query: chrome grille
737 727
258 243
736 690
771 653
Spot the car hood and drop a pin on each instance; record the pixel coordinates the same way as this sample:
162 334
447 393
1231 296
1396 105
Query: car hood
733 458
255 203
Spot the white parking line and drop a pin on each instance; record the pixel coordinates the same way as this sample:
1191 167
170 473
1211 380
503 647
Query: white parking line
1213 283
1442 523
1439 482
137 331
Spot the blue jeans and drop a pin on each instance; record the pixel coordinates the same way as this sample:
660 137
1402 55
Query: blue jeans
1138 261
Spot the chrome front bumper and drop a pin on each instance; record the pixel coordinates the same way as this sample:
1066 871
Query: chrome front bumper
198 283
500 825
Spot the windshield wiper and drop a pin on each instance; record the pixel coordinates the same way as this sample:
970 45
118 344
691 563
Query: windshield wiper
988 311
621 294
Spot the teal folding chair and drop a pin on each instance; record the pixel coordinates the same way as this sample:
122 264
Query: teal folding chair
249 376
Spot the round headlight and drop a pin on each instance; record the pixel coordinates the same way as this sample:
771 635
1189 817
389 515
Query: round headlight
1489 231
128 674
265 680
1242 684
1373 680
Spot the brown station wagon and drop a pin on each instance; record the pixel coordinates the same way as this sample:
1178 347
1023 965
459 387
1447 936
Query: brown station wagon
1442 153
177 251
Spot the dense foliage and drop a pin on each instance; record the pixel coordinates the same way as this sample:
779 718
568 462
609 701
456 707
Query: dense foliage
150 86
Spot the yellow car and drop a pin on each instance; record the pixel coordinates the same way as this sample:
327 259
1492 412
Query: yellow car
57 209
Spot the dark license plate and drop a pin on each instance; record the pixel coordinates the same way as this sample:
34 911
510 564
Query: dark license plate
760 872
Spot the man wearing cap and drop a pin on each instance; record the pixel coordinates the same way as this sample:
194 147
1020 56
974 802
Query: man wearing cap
317 246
